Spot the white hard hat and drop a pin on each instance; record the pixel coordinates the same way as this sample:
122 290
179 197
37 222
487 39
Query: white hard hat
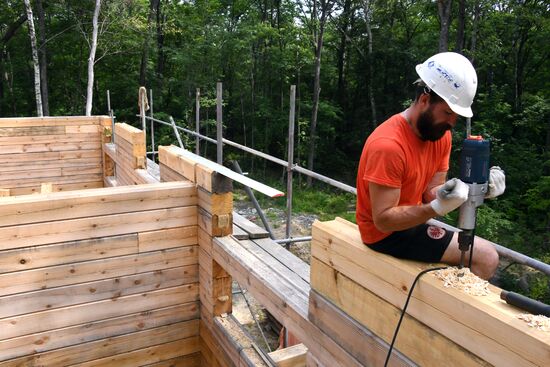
453 78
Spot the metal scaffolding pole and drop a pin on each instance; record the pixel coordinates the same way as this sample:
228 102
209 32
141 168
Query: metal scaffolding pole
219 124
152 125
290 163
197 120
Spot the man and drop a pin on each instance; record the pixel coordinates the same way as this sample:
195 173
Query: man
403 169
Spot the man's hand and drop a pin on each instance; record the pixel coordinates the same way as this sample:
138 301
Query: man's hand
497 182
450 196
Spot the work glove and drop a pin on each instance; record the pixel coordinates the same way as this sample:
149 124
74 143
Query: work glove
450 196
497 182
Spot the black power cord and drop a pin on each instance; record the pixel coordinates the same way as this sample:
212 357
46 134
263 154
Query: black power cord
405 308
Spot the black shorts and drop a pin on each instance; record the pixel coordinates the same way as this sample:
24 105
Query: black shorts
423 243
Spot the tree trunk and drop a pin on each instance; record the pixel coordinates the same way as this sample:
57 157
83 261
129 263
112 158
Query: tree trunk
342 53
91 60
444 12
461 26
161 18
32 34
43 58
477 12
368 12
326 6
153 5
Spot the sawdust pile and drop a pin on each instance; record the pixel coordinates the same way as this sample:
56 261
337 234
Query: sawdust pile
538 322
467 281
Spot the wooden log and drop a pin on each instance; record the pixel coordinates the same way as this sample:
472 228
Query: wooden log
212 181
46 139
239 233
113 350
52 121
281 298
129 133
168 238
32 130
253 230
491 325
215 225
39 165
70 205
55 179
168 175
17 191
128 149
53 319
67 252
10 153
83 129
293 356
178 164
381 319
49 156
192 360
60 275
96 330
216 286
4 192
49 299
238 343
219 355
215 204
108 166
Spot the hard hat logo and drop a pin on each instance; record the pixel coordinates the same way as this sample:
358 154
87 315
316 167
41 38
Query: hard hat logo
453 78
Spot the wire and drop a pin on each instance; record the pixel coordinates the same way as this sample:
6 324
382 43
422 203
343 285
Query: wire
405 308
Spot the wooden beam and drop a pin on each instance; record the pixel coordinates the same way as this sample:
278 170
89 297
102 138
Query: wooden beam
293 356
491 330
253 230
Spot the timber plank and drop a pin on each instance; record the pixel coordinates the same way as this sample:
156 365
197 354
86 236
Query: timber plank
95 330
58 187
43 139
282 300
83 129
49 299
219 355
60 275
253 230
78 314
168 238
239 233
149 355
492 325
168 175
215 225
53 179
16 166
92 352
67 252
129 149
290 260
47 156
95 227
177 164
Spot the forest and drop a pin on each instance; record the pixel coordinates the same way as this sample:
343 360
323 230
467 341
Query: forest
352 62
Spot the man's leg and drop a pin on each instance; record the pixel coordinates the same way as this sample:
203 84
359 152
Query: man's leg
484 260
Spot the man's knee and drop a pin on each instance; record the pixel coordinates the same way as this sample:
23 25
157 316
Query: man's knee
486 259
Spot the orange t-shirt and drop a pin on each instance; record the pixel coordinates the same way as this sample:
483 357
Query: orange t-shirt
394 156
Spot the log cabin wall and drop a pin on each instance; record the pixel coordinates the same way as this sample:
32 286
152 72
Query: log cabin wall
56 153
100 277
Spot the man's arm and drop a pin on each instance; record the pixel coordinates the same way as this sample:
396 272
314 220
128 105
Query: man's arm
388 216
437 181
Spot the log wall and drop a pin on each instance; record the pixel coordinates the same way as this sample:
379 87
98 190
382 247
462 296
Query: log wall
62 151
100 277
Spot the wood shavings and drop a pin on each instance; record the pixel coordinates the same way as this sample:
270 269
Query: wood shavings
464 280
538 322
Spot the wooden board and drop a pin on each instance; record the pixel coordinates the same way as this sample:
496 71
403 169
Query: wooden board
215 225
253 230
179 165
491 325
167 238
52 121
293 356
129 133
291 261
96 330
192 360
216 204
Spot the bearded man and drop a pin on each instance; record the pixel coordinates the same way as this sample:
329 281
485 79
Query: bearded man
402 176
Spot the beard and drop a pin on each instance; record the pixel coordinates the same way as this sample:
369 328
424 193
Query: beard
429 129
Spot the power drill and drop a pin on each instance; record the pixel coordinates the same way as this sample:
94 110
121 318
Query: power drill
474 171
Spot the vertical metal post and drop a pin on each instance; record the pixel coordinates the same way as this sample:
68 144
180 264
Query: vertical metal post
468 127
176 132
152 128
219 125
290 162
111 115
197 120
